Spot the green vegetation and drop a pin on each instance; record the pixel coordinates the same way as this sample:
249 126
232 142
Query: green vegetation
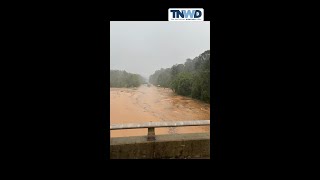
189 79
125 79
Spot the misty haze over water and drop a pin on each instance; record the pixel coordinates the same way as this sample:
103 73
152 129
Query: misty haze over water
146 46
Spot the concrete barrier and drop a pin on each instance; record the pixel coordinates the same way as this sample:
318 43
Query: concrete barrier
181 146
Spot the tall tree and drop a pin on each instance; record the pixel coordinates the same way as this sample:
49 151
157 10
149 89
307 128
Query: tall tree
125 79
189 79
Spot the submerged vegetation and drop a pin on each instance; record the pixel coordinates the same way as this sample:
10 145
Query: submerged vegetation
189 79
125 79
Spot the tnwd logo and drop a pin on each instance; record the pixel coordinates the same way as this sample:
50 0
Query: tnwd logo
185 14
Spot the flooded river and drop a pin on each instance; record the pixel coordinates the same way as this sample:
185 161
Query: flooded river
154 104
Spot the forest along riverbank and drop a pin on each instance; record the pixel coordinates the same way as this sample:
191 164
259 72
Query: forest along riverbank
154 104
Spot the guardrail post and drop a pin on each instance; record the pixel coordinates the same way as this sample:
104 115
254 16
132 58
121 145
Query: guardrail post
151 134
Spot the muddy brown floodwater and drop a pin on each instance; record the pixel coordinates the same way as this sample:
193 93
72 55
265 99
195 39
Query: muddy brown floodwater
154 104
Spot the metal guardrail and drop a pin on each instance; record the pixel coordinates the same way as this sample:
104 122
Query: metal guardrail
152 125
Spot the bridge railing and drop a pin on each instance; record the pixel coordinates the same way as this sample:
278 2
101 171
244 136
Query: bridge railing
152 125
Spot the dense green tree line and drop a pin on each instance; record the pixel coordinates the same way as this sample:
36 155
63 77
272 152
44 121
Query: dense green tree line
189 79
125 79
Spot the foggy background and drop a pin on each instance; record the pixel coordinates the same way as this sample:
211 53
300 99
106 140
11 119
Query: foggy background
143 47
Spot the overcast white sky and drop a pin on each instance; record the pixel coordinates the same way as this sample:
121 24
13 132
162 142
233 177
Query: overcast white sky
143 47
